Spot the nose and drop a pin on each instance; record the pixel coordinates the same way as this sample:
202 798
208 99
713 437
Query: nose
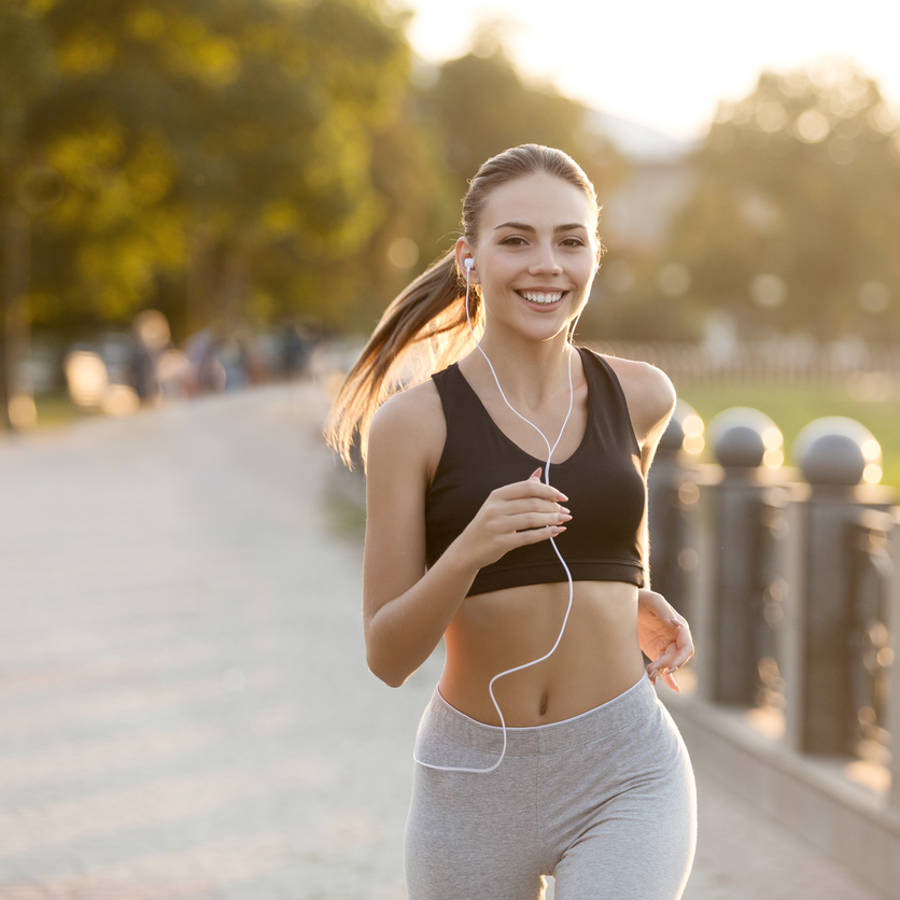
545 261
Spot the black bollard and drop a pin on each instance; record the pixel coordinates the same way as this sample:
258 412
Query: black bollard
893 703
672 498
837 456
747 445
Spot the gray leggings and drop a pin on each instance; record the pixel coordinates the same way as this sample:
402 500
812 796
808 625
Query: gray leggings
605 802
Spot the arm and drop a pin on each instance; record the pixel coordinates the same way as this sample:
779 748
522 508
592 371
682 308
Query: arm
655 405
405 608
664 634
405 612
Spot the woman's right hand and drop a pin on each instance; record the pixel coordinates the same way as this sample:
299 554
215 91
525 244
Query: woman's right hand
516 514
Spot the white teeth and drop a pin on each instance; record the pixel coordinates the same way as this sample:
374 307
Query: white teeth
542 298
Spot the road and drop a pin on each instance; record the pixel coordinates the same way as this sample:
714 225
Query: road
186 708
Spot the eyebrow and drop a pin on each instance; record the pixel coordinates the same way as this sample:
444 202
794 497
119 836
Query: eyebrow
522 226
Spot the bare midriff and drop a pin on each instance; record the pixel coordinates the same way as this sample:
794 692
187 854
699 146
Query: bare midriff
597 659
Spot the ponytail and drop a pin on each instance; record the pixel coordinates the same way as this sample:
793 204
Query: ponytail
425 329
422 331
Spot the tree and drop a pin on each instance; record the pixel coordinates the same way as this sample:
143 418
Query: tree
212 142
481 106
794 220
27 71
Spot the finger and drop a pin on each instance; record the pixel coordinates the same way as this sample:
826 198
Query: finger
533 535
669 679
532 505
662 664
530 520
529 488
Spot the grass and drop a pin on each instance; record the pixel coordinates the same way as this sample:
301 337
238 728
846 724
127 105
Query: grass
792 406
55 409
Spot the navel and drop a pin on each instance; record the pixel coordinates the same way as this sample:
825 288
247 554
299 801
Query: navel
545 699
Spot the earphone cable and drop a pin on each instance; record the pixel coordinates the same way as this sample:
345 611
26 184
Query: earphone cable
550 450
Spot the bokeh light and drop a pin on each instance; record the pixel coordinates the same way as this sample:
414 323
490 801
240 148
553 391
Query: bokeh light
87 378
693 428
22 411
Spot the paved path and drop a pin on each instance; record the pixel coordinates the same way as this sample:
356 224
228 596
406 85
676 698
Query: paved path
185 710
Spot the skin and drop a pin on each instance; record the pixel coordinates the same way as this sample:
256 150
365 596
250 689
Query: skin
406 612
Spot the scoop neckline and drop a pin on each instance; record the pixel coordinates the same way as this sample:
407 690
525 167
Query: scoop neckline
512 443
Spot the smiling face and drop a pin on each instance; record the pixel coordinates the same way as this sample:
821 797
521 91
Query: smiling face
536 254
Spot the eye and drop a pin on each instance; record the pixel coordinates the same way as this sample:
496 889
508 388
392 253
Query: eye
573 242
513 241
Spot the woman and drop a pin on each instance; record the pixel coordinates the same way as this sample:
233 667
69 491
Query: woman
572 767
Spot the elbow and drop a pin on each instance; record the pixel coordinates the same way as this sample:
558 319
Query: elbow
382 658
384 673
393 682
383 665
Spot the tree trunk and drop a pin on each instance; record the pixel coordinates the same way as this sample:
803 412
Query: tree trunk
14 323
199 282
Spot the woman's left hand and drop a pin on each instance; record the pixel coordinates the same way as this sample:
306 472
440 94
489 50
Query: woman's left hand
664 636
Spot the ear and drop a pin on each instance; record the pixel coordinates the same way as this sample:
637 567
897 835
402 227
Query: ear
463 251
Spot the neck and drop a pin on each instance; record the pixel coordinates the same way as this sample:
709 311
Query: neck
532 374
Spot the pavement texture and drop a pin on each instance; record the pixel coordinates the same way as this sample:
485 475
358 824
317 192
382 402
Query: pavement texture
185 705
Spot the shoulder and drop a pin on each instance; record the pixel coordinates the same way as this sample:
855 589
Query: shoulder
409 428
649 393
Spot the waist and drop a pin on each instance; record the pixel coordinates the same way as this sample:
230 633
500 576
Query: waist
601 723
597 657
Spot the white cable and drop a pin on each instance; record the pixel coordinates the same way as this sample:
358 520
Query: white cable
552 541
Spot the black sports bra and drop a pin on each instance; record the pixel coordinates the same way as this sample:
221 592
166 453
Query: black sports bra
603 480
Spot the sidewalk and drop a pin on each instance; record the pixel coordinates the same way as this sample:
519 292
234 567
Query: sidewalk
186 707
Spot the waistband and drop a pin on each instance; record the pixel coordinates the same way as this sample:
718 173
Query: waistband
603 722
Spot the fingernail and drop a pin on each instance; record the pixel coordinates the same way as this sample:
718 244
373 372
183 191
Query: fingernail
561 495
563 509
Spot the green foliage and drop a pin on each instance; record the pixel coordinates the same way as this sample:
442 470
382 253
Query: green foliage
482 106
794 219
258 159
226 145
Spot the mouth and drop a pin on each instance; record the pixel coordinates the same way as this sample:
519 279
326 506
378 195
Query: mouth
543 300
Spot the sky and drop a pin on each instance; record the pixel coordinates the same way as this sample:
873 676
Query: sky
666 63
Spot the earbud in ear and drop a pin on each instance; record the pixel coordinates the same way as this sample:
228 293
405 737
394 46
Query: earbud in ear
469 262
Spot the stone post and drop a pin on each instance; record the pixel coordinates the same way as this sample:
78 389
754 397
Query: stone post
840 460
672 497
747 445
893 623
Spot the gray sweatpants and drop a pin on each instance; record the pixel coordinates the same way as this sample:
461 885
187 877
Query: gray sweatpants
605 802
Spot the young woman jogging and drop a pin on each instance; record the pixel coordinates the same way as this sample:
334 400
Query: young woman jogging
507 514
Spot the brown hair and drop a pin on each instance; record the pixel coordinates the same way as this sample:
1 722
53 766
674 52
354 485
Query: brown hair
424 328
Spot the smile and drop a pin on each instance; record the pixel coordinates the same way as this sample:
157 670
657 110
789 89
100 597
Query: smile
542 298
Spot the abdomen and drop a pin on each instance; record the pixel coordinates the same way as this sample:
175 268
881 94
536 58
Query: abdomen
597 658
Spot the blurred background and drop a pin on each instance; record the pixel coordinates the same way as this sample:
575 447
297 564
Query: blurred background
205 206
196 195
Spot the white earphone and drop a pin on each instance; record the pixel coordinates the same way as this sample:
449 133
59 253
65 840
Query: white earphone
468 263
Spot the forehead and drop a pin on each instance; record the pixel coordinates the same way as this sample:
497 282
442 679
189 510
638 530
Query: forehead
537 199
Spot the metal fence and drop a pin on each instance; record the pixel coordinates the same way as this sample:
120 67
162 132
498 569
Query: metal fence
790 579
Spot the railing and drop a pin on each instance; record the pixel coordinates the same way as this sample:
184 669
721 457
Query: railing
791 581
871 571
768 361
